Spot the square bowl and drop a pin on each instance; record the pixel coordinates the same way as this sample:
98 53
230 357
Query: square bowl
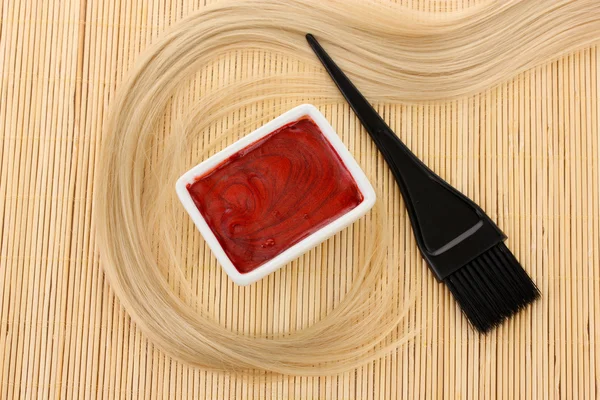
306 241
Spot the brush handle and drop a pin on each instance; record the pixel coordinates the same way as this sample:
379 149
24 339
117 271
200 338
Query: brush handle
450 229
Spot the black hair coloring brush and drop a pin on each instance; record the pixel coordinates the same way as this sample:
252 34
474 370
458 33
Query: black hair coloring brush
461 244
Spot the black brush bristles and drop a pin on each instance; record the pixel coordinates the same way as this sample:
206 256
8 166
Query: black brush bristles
492 287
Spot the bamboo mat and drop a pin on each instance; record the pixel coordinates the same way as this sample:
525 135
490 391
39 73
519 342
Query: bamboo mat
526 151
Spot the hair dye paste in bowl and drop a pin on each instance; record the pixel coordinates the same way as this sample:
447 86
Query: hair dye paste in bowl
274 193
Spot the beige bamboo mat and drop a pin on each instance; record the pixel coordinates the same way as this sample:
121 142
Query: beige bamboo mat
526 151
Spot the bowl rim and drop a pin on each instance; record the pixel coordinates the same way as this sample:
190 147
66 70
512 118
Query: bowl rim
308 242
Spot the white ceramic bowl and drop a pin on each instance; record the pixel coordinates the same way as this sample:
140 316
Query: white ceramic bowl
305 244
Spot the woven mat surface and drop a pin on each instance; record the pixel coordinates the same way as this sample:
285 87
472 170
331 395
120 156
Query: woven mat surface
526 151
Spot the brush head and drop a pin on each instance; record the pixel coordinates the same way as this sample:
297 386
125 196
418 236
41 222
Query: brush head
492 287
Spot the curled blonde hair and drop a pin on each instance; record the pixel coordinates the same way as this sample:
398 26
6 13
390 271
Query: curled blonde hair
393 53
